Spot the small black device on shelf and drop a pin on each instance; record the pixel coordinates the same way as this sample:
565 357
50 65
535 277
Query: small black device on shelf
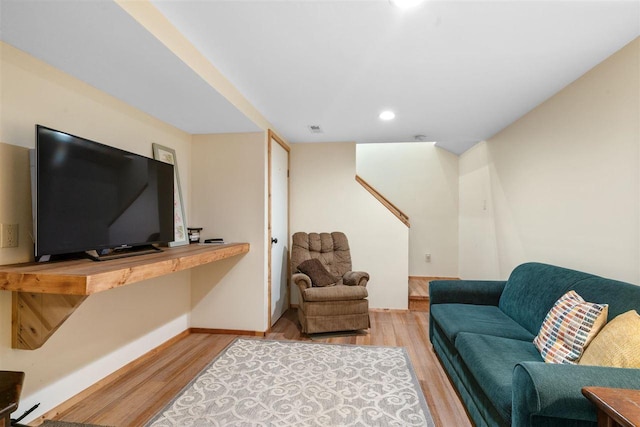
215 241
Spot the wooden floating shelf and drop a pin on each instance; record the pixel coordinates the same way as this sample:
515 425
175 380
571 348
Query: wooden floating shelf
86 277
46 294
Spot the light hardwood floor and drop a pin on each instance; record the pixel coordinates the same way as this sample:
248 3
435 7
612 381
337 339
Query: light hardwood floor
134 397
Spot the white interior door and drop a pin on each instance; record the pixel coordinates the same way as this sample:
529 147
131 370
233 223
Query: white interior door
279 230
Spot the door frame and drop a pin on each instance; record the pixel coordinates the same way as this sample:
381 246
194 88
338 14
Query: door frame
272 136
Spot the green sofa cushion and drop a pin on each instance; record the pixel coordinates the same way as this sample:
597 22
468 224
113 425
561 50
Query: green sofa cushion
533 288
480 319
491 361
626 296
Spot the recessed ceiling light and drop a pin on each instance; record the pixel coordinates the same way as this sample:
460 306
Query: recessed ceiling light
405 4
387 115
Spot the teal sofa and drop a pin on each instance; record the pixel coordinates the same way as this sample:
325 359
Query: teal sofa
483 331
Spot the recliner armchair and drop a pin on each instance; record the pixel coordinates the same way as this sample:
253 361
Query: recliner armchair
337 307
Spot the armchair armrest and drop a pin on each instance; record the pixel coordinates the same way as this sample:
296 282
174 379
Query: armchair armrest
554 390
302 280
355 278
479 292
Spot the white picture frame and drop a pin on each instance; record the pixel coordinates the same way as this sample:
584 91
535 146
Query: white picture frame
168 155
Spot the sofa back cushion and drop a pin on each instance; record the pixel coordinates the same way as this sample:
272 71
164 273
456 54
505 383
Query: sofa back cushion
533 288
620 296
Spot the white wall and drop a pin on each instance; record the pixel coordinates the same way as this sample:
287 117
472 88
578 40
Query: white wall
325 197
562 183
422 181
110 328
229 189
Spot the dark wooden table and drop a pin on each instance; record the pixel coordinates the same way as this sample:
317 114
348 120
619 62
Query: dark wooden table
616 406
10 388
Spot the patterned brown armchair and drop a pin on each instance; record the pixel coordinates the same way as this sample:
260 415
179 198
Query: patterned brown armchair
338 306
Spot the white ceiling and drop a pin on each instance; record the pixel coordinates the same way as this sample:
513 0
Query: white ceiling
102 45
455 71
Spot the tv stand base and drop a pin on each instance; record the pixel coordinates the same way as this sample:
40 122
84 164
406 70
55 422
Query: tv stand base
122 252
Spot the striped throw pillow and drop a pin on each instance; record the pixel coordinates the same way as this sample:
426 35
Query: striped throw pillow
569 327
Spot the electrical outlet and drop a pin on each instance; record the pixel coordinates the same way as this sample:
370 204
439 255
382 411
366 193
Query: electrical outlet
9 235
427 257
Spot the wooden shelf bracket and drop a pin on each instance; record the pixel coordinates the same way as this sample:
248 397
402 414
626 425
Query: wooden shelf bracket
35 317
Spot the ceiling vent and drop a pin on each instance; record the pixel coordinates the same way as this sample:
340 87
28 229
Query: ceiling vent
314 128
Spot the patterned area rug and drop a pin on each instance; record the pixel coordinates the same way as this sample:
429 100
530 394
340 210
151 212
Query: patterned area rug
286 383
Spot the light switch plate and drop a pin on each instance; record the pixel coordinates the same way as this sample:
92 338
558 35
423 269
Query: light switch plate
9 235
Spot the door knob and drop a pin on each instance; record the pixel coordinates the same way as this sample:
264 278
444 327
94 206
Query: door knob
274 240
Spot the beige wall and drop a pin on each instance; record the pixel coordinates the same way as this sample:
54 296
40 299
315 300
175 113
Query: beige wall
478 241
561 184
421 180
229 188
111 328
15 200
326 197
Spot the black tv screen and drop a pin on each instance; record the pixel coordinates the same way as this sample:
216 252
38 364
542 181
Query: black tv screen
90 196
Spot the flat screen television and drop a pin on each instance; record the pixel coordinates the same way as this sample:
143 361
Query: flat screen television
93 197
